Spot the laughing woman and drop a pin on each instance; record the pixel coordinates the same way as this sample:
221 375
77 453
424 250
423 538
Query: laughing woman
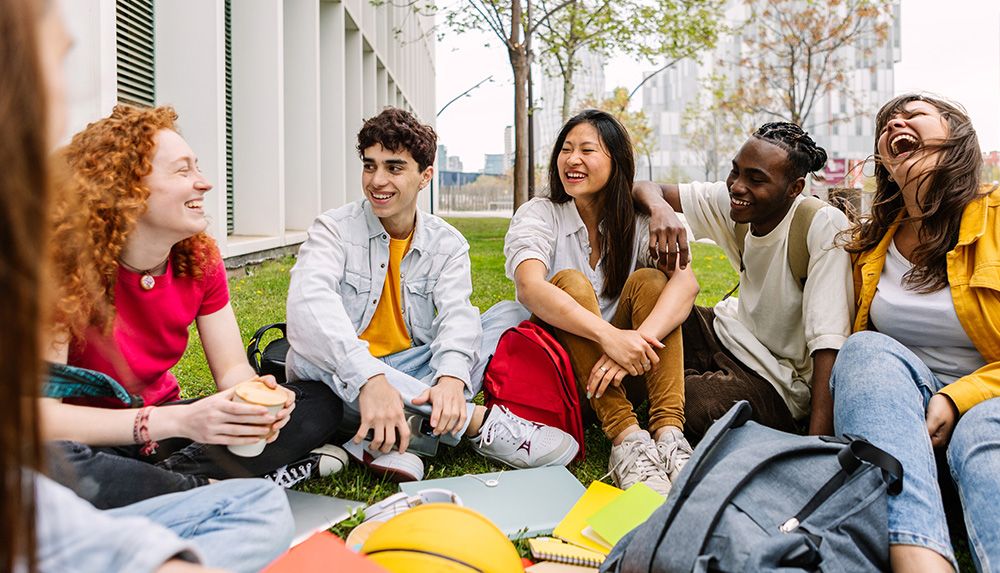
925 373
138 269
579 260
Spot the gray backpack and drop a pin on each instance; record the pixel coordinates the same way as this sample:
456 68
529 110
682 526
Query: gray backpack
756 499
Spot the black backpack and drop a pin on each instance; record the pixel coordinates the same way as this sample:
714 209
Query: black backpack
271 360
756 499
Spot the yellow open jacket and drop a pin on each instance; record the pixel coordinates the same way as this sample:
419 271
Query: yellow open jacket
974 278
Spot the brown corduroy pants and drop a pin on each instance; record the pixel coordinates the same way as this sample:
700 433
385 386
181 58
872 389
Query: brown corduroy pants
663 383
714 380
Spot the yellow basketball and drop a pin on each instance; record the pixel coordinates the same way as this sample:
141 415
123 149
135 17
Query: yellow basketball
441 537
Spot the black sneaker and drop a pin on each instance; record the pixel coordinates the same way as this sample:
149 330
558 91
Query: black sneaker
325 460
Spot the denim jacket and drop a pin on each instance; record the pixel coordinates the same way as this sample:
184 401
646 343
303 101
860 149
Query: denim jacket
337 283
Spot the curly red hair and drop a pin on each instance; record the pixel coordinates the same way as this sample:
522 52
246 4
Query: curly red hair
100 198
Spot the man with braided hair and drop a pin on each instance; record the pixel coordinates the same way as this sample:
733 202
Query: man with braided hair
775 344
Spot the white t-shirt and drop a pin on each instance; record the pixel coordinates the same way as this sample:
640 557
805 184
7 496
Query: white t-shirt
775 325
555 234
925 323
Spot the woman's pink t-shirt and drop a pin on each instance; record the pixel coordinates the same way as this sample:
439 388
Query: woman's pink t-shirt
150 332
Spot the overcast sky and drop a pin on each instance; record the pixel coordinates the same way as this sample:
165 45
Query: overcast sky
952 51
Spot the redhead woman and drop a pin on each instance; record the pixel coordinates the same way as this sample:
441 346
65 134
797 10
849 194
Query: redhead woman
922 371
240 525
138 269
579 260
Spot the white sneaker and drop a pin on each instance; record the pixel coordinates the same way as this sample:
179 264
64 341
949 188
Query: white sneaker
521 444
394 465
636 460
325 460
675 451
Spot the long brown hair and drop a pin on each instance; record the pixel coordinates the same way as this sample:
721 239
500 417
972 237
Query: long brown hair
949 187
104 198
23 198
617 211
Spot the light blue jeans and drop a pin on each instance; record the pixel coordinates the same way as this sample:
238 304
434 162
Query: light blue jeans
237 524
974 459
410 370
880 392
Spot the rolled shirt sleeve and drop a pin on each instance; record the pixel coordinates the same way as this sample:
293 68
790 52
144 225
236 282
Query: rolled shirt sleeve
319 328
531 235
828 295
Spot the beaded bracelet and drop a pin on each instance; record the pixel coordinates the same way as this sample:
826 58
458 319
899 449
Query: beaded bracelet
140 432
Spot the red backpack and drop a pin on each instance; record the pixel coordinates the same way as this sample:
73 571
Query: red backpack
530 374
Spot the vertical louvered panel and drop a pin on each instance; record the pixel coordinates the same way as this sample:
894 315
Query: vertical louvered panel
230 225
136 52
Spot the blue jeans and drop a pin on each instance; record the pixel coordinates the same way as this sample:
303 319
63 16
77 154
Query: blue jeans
410 370
974 459
880 392
111 477
237 525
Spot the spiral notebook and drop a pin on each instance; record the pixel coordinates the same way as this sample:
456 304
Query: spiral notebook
552 549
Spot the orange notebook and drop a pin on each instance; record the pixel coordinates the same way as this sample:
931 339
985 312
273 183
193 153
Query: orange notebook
322 553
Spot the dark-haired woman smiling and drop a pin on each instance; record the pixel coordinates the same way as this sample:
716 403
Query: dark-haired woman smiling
579 261
927 277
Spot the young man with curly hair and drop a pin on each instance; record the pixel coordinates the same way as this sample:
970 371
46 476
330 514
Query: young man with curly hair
379 309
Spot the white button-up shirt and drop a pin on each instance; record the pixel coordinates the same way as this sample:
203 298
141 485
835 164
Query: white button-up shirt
555 234
337 284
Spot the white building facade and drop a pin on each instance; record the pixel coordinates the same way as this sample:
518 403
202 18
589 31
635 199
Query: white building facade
270 94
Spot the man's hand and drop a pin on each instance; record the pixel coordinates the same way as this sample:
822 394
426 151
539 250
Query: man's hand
941 417
382 412
668 241
606 371
447 399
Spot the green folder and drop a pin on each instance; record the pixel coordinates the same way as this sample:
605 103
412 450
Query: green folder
625 513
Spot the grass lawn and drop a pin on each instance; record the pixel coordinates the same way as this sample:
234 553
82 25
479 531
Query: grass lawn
259 298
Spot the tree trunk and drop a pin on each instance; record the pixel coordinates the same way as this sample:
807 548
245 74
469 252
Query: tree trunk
519 63
567 101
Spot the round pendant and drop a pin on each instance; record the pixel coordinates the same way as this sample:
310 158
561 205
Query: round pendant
147 282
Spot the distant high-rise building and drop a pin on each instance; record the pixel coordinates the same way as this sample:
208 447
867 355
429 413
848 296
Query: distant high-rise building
844 128
454 163
494 164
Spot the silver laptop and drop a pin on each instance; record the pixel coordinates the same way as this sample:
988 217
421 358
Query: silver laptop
317 512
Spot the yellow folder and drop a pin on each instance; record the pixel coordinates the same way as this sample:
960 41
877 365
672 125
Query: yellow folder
598 495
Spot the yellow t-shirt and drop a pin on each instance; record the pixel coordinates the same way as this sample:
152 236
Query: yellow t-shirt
386 333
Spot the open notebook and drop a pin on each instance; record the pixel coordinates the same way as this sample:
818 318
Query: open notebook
522 503
314 513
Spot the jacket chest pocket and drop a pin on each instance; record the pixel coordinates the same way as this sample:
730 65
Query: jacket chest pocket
357 283
419 302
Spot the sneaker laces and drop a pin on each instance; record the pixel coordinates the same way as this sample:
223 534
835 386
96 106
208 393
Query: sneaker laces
640 456
291 474
674 456
517 427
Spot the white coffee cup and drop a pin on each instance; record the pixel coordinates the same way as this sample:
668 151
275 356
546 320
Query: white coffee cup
257 393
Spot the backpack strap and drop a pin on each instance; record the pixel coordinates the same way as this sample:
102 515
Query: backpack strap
253 349
798 237
798 243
